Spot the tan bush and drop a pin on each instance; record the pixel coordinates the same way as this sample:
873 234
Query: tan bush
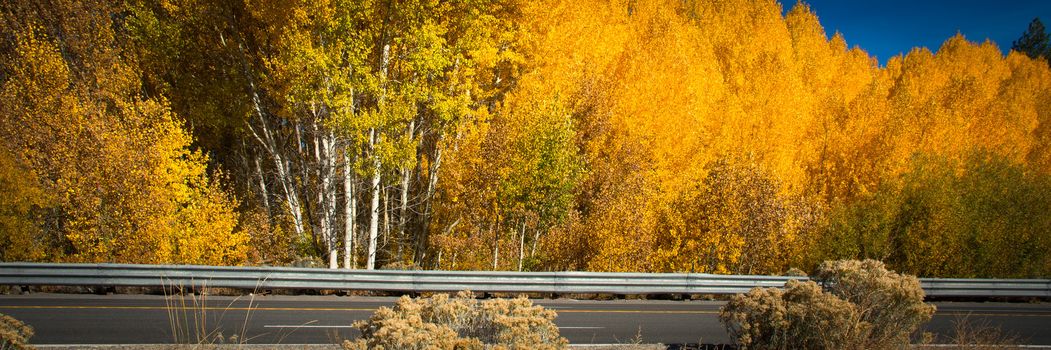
439 322
14 335
892 303
799 317
863 306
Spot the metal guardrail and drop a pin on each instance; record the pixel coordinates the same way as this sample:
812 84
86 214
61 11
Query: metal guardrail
261 278
980 287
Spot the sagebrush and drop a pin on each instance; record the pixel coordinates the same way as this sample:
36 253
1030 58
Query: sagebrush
440 322
14 335
857 305
892 304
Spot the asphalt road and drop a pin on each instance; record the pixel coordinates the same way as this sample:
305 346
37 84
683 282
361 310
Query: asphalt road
145 319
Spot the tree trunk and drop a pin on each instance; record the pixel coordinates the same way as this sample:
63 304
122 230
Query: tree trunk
403 211
374 140
349 212
536 238
432 182
496 253
521 246
328 200
374 215
309 208
387 237
268 143
386 224
496 246
262 187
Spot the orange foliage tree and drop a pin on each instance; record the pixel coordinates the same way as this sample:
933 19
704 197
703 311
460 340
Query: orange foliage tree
645 135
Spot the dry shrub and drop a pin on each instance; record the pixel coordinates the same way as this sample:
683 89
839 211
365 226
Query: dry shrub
440 322
795 272
799 317
14 335
891 303
863 306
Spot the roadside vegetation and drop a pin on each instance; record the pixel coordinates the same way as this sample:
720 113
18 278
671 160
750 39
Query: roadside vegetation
730 136
847 305
852 305
14 335
461 322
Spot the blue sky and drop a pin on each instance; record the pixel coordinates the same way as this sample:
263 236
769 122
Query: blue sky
886 28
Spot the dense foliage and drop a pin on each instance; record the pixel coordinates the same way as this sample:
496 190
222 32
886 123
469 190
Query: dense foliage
93 168
645 135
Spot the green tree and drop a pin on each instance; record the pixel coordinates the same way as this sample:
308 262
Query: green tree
979 217
539 172
1034 41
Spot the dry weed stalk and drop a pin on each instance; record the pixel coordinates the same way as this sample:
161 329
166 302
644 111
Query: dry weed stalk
189 318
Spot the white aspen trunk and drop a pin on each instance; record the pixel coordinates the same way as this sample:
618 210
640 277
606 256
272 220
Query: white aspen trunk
386 220
385 198
328 201
349 212
292 198
374 215
496 246
262 186
403 211
350 209
374 140
331 207
496 253
536 238
521 246
296 126
270 145
319 170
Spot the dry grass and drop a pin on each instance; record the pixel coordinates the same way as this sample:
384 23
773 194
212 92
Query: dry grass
975 334
192 323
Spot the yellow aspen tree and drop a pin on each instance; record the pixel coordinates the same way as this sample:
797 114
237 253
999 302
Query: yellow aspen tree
125 185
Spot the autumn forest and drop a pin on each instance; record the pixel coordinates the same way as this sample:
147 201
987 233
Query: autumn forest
728 136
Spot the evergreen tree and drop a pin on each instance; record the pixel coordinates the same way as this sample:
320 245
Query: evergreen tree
1034 42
